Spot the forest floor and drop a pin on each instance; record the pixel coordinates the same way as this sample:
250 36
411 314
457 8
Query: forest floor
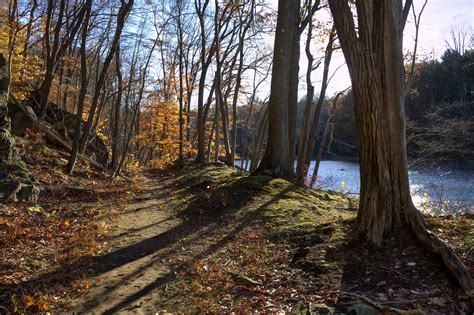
210 240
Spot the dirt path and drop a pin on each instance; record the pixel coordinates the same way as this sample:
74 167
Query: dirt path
159 240
175 249
134 262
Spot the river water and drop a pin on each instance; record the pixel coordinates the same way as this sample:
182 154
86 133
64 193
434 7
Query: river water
439 191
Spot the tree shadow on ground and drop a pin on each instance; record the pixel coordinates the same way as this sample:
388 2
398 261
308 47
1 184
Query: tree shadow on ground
203 214
399 271
401 267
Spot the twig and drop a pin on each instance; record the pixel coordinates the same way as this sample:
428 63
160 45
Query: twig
378 306
390 270
402 301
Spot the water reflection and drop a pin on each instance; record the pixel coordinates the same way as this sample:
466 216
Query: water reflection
439 191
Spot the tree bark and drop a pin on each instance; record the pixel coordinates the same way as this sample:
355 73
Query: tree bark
118 103
201 125
303 141
276 159
293 84
82 96
375 60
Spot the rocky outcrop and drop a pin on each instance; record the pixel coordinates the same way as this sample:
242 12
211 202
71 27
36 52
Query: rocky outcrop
59 119
15 182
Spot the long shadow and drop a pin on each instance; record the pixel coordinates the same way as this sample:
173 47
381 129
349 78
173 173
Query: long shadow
400 264
251 216
204 225
123 256
136 230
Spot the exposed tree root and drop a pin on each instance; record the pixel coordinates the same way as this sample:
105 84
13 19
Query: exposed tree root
433 243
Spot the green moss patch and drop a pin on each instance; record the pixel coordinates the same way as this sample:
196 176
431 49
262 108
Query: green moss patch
286 210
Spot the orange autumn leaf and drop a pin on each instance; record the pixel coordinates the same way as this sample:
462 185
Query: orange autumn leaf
28 300
43 307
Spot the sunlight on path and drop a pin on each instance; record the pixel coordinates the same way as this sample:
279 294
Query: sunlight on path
132 264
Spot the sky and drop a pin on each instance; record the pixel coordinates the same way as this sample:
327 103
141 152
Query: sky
437 20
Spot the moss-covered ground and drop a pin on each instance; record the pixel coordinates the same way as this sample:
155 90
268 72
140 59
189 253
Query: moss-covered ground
297 244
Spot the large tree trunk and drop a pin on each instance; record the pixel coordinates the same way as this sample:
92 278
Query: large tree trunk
277 156
293 84
375 61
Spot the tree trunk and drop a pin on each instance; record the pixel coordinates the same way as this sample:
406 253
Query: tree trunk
82 96
277 156
259 142
118 103
29 26
322 141
59 46
304 130
122 15
181 85
201 124
375 60
313 133
216 129
293 84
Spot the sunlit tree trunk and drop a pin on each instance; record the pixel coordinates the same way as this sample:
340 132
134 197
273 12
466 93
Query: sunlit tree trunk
60 44
276 159
304 130
294 83
374 56
201 124
122 15
259 142
29 26
82 95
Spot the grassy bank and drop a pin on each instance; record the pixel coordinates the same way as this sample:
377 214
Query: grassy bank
284 247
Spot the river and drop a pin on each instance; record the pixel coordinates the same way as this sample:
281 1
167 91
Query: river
441 190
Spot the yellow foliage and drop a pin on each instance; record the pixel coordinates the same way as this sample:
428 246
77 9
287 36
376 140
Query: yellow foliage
159 134
24 69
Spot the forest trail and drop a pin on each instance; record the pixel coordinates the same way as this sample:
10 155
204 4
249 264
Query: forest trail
213 239
134 262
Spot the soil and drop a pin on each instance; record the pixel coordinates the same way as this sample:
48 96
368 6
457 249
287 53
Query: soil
167 255
214 240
